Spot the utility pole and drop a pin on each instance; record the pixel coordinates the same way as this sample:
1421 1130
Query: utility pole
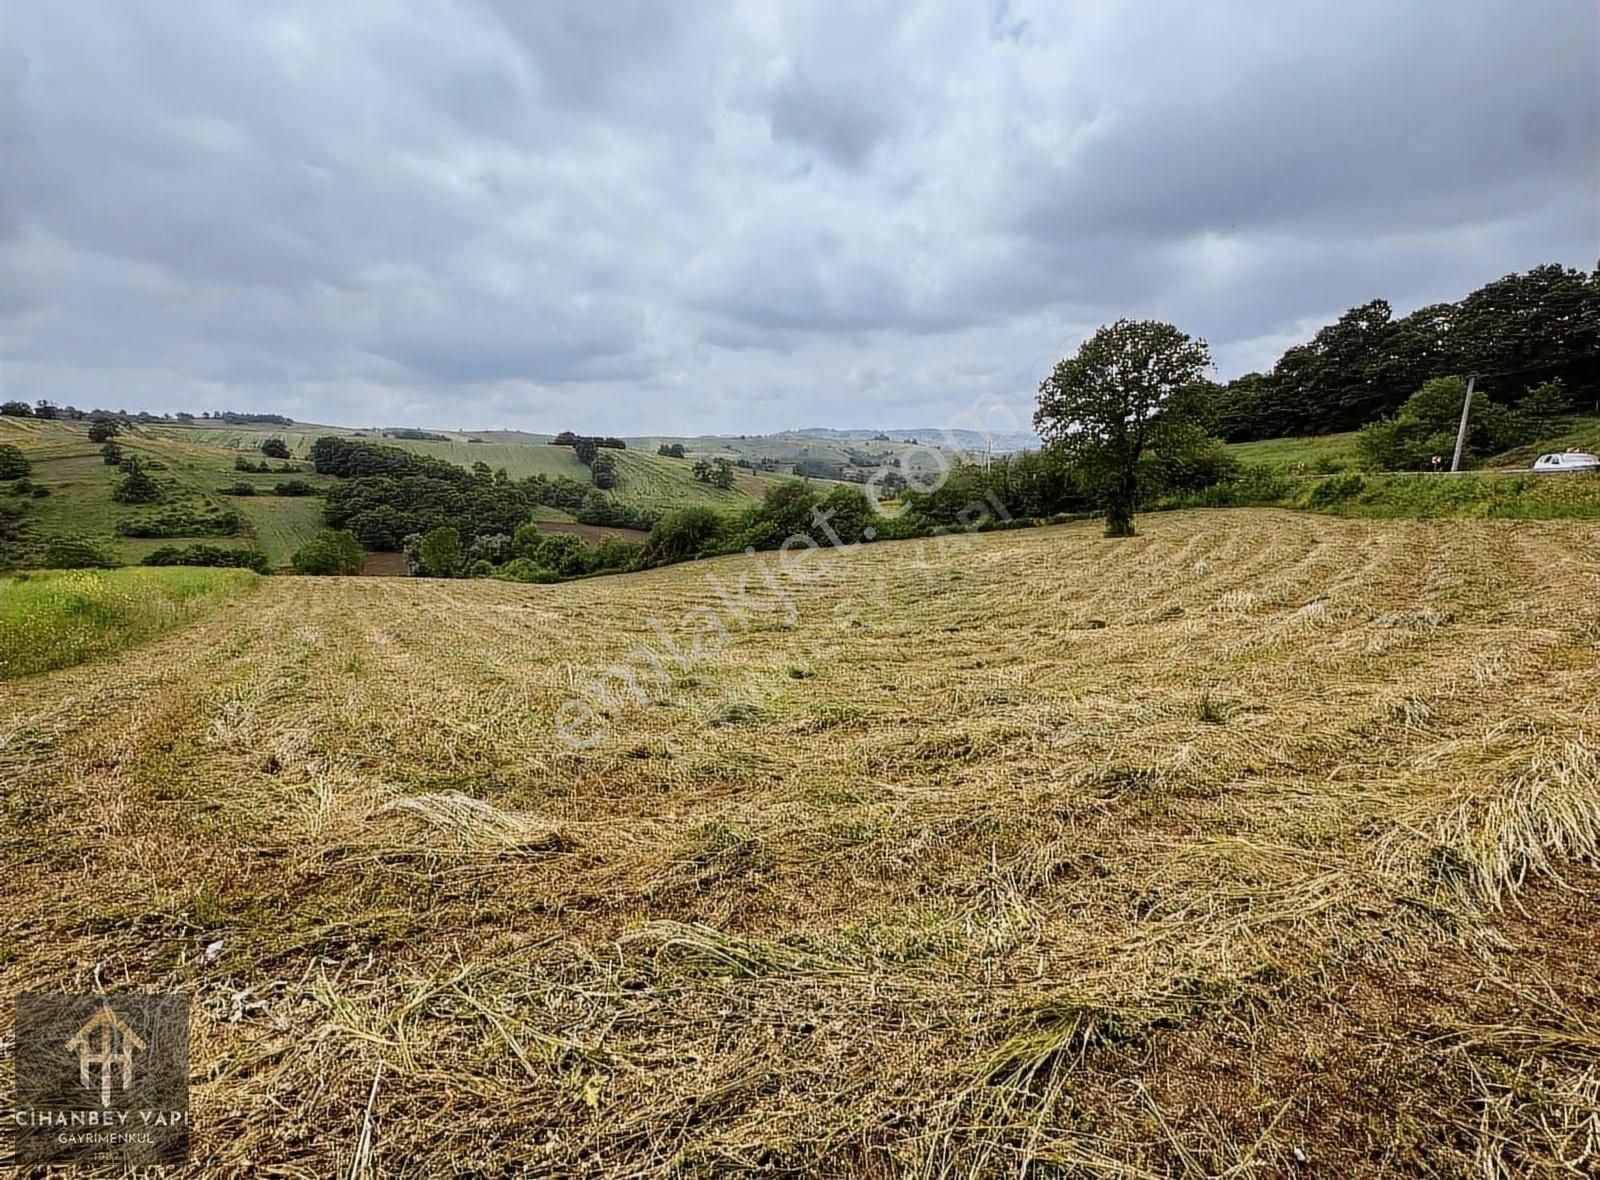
1466 412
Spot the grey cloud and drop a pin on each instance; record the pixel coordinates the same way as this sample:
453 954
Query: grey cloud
698 217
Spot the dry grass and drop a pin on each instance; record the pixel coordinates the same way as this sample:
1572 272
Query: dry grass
1041 815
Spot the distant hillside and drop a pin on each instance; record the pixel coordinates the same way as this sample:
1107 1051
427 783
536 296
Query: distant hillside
997 442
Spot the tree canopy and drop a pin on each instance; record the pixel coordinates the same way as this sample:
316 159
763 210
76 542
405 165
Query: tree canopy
1107 403
1521 330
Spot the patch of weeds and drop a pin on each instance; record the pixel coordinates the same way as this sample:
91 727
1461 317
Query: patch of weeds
798 672
1064 1028
1120 777
210 908
737 713
720 852
327 934
643 752
906 938
1422 620
1208 710
943 748
834 714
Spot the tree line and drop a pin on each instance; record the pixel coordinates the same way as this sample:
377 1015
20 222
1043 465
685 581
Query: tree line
1520 332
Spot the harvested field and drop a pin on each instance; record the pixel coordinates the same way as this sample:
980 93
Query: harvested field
1260 844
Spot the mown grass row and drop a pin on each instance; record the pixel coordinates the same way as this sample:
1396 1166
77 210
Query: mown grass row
52 620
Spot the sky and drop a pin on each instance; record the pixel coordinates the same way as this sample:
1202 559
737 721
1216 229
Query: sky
681 217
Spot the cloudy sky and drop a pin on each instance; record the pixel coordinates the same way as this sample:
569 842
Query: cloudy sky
677 217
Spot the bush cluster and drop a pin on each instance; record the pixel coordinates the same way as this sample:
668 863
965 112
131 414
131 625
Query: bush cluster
331 552
75 553
1422 435
13 463
209 555
184 520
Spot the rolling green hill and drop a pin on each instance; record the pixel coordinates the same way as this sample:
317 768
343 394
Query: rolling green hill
1324 453
644 478
1328 453
195 465
193 470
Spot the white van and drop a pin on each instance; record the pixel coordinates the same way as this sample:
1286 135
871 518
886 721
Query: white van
1566 461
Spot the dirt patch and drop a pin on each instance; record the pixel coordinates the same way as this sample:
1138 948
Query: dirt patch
384 565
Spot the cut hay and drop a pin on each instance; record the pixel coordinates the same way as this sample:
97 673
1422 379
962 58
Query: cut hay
1220 887
473 823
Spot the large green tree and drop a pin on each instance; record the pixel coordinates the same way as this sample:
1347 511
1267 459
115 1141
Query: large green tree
1111 401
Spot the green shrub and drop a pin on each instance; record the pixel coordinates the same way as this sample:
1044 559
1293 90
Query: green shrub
1336 489
331 552
561 553
209 555
294 487
1426 426
1253 484
137 486
614 554
1189 461
184 520
439 553
523 569
75 553
13 463
685 533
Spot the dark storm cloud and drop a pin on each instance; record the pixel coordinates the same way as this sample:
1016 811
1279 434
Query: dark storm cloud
685 217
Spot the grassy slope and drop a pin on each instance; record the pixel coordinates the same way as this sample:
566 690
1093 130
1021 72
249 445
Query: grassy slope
193 466
198 461
1174 855
654 481
1336 451
1489 495
58 619
792 448
1578 433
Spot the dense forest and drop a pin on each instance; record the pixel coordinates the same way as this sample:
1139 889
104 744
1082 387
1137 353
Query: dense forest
1517 332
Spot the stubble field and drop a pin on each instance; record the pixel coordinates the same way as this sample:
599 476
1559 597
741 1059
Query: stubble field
1259 843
